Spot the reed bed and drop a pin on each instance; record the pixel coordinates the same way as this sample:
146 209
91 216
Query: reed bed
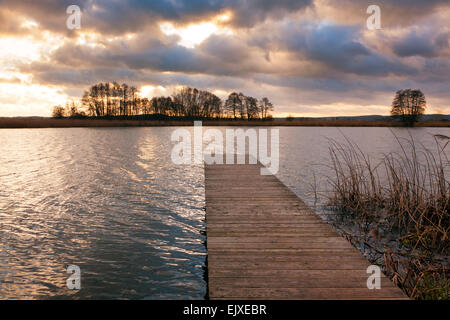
401 206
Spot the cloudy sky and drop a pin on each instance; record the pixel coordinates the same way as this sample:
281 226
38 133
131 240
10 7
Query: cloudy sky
310 57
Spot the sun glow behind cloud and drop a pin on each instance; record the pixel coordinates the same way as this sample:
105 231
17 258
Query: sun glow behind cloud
194 34
150 91
18 49
19 96
19 99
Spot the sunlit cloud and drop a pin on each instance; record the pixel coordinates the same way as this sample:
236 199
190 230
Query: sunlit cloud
150 91
29 24
194 34
19 49
225 17
221 93
29 99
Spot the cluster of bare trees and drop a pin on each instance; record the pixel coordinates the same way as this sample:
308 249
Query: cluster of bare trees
240 106
113 99
191 102
71 110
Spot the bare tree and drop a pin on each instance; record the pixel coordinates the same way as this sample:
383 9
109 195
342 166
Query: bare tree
409 105
265 106
71 109
58 112
233 104
251 107
192 102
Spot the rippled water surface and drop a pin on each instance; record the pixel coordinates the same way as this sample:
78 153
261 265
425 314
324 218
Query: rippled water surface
305 156
111 201
107 200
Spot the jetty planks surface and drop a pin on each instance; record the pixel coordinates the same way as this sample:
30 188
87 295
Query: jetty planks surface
264 243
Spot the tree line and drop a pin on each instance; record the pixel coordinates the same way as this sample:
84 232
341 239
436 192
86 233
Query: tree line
111 99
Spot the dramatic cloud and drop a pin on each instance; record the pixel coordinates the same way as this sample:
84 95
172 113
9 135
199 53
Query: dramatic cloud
394 12
311 57
425 45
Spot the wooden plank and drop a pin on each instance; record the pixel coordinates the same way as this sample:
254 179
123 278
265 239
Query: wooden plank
292 282
265 243
295 251
286 273
292 233
330 241
305 293
288 265
275 245
282 258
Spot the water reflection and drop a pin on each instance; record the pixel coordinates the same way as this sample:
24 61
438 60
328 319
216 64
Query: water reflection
107 200
112 202
304 153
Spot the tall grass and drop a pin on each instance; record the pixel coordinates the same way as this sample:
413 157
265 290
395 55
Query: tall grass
404 194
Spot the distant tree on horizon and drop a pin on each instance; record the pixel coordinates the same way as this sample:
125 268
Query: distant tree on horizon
192 102
408 105
58 112
246 107
233 104
72 110
251 107
265 106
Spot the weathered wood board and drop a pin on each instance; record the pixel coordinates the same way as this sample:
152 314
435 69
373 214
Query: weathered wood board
265 243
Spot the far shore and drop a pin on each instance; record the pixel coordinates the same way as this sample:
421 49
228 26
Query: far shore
34 122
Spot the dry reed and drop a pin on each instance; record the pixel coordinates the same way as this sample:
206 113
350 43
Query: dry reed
405 194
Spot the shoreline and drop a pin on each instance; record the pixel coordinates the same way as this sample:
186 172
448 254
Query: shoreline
30 123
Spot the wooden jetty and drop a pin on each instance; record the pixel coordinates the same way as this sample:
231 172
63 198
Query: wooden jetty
265 243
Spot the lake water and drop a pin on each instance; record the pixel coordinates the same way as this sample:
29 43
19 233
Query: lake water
111 201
